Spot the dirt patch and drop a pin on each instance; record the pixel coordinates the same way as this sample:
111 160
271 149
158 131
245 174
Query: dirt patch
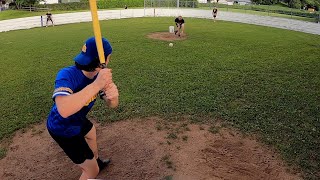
166 36
148 149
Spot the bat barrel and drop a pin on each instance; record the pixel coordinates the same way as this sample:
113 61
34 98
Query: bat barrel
97 30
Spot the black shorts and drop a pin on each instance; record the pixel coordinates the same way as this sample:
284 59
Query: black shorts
76 147
214 15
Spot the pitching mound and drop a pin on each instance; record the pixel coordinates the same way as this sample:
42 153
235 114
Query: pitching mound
150 149
166 36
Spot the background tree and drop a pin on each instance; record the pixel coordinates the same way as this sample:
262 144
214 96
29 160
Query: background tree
21 3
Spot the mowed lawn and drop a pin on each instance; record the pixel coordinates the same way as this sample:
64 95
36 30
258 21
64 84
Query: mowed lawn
262 80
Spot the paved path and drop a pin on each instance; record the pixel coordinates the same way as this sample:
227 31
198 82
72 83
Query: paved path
32 22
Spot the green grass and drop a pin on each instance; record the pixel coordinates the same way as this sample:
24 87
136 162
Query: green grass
261 13
265 13
277 10
261 80
2 152
257 7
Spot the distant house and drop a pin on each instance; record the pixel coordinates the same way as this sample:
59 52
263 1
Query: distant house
49 2
57 1
242 2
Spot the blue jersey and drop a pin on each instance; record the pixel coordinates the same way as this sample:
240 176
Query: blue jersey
68 81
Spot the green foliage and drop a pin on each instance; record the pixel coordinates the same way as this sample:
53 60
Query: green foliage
259 79
102 4
107 4
295 4
168 178
172 136
214 130
21 3
264 2
2 152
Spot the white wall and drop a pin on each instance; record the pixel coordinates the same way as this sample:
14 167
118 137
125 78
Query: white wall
49 2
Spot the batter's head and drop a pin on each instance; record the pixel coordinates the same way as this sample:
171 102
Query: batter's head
88 58
89 51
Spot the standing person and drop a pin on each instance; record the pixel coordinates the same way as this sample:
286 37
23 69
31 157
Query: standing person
49 18
214 13
180 25
76 90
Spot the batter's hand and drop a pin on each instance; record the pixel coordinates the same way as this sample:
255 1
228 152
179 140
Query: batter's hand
111 91
104 78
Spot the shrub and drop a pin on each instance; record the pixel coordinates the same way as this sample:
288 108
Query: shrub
102 4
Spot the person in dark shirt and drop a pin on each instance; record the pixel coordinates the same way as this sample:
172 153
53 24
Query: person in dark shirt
180 26
49 18
214 13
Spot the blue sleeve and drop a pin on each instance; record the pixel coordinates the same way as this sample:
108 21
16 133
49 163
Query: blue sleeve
63 84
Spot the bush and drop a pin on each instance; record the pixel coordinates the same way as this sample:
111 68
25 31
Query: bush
102 4
172 3
295 4
105 4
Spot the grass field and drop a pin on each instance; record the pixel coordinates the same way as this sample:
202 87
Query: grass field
261 13
261 80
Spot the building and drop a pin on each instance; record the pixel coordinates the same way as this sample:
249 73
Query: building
49 2
57 1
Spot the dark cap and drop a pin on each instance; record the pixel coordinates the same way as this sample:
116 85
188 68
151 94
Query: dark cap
89 51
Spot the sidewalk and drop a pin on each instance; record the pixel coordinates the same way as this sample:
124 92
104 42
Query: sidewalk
67 18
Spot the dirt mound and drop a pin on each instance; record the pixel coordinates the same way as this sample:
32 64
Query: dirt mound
166 36
148 149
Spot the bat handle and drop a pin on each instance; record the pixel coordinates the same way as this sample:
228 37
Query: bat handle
103 65
102 93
